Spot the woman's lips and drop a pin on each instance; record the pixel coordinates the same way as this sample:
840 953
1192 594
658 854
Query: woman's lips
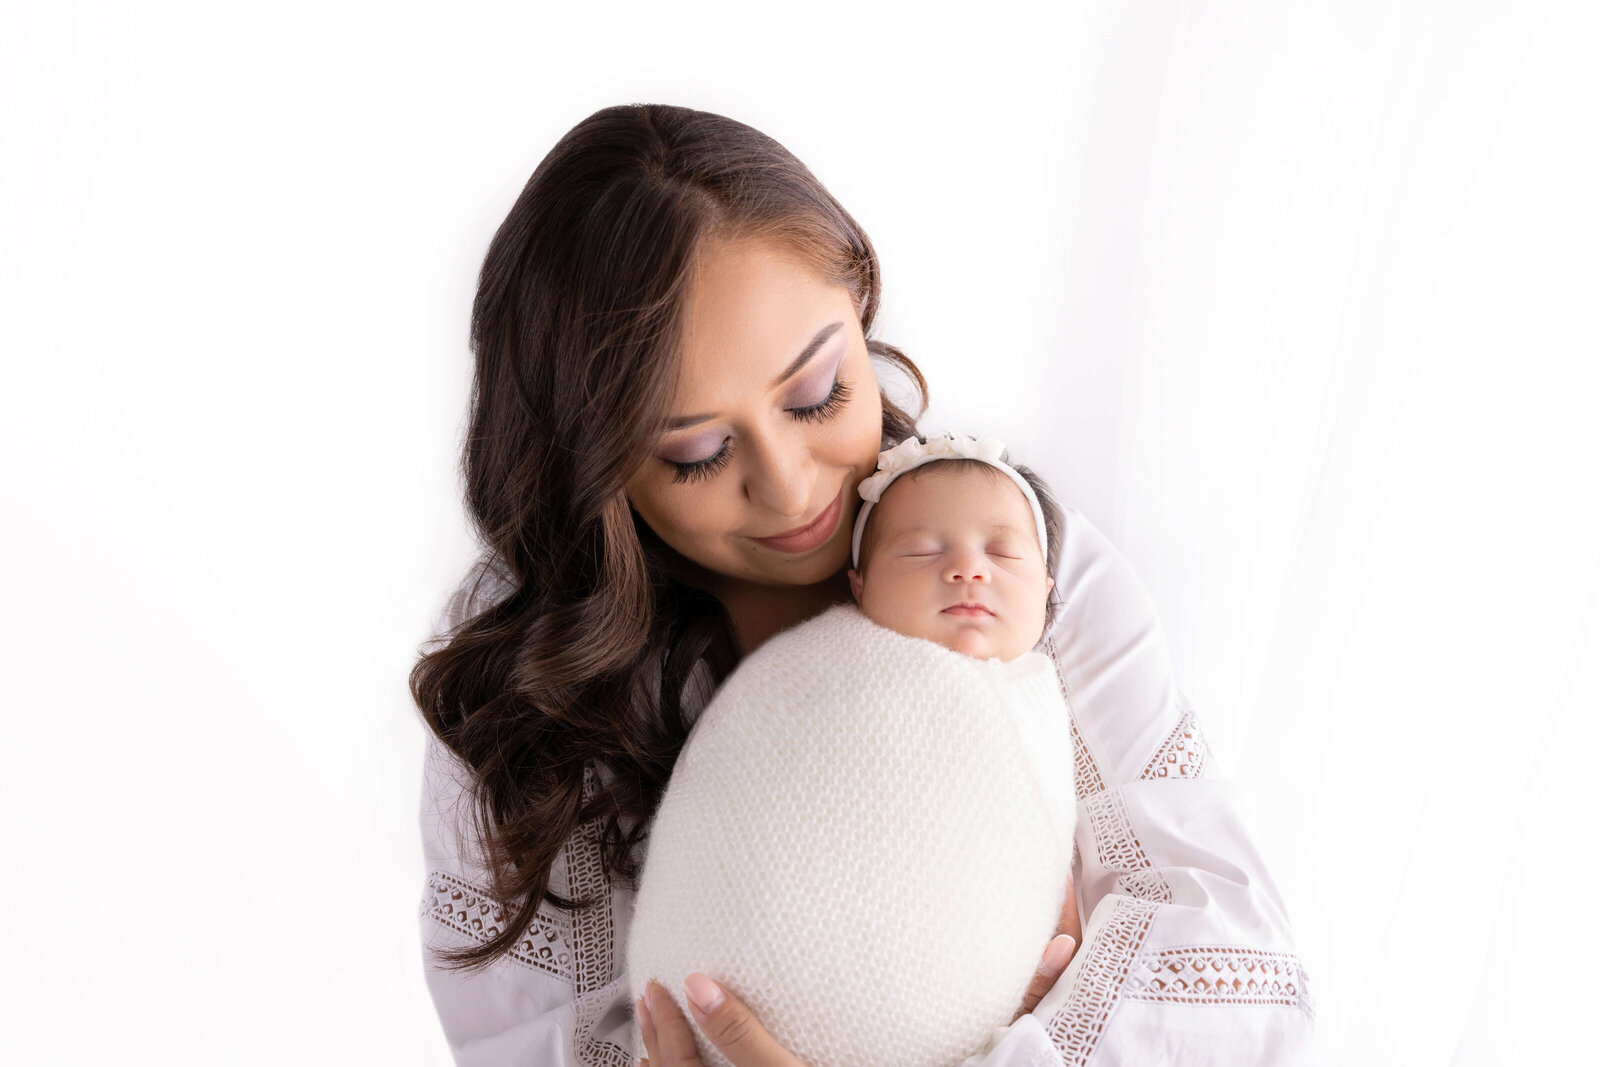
808 536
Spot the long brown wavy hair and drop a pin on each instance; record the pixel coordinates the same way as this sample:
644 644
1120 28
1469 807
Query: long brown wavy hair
575 329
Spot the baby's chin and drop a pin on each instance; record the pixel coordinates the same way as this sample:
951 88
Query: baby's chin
971 641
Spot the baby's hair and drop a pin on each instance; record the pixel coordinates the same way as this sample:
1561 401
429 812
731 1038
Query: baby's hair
1053 519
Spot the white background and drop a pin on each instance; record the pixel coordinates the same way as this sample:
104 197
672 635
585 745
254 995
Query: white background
1296 302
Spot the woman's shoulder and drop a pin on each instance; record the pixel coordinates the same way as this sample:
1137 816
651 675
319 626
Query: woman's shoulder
486 583
451 840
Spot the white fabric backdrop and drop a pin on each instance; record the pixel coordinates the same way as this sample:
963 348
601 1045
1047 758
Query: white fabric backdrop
1310 290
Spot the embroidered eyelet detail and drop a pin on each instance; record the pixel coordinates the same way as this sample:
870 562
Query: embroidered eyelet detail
1220 975
1088 780
578 950
1184 753
1076 1028
1145 885
1114 840
468 910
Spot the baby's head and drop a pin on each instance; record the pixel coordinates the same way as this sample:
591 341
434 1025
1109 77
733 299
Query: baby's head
951 551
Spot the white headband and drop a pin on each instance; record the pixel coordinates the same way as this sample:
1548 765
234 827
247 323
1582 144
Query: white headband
911 453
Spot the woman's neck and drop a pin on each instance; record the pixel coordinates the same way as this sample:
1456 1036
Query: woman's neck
759 611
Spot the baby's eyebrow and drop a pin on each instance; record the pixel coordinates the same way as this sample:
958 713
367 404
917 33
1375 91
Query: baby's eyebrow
920 527
923 527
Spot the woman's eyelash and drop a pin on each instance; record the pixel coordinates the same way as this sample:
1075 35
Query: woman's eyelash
700 470
836 398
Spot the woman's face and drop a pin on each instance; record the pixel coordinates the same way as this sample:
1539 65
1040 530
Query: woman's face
775 421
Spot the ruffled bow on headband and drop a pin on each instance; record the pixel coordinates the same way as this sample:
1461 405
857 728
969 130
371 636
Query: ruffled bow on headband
911 453
893 462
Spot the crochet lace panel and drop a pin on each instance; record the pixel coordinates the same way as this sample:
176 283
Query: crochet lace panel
586 965
1087 773
468 909
1076 1028
1220 975
1116 968
1145 885
1184 753
1114 841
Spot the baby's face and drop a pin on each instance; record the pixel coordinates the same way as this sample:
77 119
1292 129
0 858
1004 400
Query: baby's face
955 559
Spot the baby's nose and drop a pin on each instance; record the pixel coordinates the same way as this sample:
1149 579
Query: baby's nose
970 570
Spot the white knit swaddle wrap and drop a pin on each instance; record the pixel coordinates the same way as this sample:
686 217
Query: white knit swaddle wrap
866 838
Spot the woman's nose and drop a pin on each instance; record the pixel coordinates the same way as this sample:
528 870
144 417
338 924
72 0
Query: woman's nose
780 478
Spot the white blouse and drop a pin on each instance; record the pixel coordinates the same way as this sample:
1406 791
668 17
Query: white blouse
1187 956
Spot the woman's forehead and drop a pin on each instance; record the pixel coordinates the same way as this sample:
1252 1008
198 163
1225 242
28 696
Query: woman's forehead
752 308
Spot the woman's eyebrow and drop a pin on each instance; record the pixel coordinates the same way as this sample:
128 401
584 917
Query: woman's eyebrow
805 354
683 421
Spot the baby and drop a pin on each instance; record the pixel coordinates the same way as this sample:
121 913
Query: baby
867 836
964 556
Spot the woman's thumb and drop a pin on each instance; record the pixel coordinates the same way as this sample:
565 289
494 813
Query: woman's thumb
1056 957
730 1025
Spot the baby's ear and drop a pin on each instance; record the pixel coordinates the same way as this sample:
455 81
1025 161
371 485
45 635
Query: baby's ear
855 584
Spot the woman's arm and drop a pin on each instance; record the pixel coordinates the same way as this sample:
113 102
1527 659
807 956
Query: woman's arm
1187 954
561 996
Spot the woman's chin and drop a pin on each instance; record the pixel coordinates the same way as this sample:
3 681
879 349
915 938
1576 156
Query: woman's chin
813 568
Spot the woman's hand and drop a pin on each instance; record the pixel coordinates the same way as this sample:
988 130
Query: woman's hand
1069 932
1057 955
728 1024
732 1027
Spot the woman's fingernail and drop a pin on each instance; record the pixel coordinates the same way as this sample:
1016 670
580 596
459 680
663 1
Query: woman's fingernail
704 992
642 1010
1055 956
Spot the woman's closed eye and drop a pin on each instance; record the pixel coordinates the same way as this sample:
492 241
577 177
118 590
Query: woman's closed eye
701 469
826 408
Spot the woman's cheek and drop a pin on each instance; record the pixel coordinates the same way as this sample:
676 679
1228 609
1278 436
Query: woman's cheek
867 433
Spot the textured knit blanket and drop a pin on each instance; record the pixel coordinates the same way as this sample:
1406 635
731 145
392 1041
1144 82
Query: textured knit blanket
867 838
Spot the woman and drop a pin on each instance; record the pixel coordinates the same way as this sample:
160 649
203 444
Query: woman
674 401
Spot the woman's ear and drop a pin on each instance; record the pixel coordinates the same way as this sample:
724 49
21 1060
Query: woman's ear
855 584
1049 584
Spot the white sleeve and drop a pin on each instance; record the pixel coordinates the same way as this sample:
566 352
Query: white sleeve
1187 955
561 995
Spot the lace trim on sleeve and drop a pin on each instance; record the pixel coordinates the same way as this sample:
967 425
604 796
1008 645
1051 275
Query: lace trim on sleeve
1076 1028
1087 774
578 950
1220 975
1184 754
467 909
